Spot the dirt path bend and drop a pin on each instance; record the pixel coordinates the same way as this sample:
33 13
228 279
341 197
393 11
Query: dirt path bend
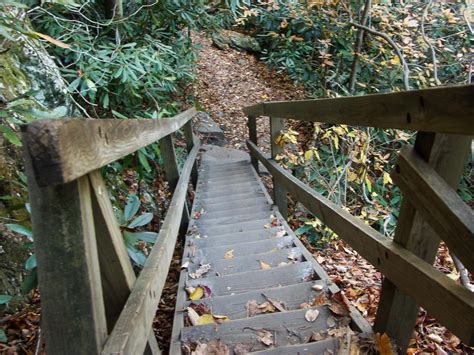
228 80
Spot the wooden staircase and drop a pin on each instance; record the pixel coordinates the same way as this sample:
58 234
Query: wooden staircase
251 259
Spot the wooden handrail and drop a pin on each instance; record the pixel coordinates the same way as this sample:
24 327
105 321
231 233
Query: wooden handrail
441 110
428 286
85 275
129 335
440 205
64 150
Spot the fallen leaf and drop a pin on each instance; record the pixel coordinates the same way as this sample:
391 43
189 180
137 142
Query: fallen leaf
305 305
279 234
193 316
229 254
317 336
51 40
383 341
185 265
338 309
197 294
311 315
220 319
217 347
266 226
252 308
264 265
266 307
276 303
317 287
244 348
320 299
265 337
205 319
203 269
331 322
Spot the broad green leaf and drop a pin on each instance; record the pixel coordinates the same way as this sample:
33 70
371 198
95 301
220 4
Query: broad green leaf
3 336
149 237
9 134
30 282
141 220
133 204
143 161
31 262
4 299
20 229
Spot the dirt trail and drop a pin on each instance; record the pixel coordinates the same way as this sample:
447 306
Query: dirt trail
228 80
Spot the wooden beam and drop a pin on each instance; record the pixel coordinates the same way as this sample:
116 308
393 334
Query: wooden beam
279 192
397 311
190 141
442 110
169 160
63 150
73 314
116 270
254 110
438 203
252 127
130 333
450 303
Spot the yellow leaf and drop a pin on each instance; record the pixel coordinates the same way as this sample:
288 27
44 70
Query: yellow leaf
386 178
284 24
229 254
205 319
308 155
369 183
351 176
220 319
338 130
197 294
264 265
51 40
336 141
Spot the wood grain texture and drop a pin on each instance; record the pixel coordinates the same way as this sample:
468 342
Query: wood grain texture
116 270
397 311
443 110
252 126
438 203
279 193
429 287
132 328
73 313
63 150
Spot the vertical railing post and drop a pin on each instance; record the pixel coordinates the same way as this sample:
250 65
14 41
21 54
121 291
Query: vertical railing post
397 312
172 173
252 126
72 303
279 192
189 136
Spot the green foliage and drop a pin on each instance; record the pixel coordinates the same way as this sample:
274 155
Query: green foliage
130 222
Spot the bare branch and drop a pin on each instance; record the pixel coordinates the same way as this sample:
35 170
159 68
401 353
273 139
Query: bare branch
396 48
428 42
358 46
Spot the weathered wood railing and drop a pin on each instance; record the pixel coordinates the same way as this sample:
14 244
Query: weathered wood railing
91 301
427 174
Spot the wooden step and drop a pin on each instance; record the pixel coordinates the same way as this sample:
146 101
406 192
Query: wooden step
236 211
231 218
218 252
227 181
232 228
255 280
287 328
235 306
245 174
251 262
228 190
243 196
323 347
205 241
230 205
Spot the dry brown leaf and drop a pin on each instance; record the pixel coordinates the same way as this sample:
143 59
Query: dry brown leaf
320 299
193 316
244 348
311 315
317 287
266 307
252 308
331 322
264 265
338 309
52 40
265 337
383 341
203 269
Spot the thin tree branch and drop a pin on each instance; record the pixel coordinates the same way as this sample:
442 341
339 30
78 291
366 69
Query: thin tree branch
358 46
428 42
463 273
396 48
